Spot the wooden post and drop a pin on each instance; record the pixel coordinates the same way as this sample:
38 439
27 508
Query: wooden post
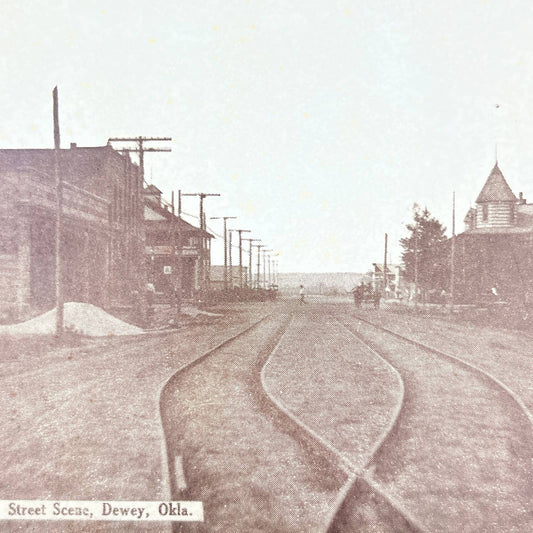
59 209
177 257
452 256
385 266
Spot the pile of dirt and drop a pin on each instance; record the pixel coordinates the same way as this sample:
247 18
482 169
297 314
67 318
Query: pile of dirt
82 318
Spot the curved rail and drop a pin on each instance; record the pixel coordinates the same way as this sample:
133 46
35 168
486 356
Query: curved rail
496 383
345 463
168 464
354 473
357 476
459 360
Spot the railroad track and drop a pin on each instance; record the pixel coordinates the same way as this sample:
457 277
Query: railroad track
317 469
231 441
364 494
456 359
174 482
430 464
360 504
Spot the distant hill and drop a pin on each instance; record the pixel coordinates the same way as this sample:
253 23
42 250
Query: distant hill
319 282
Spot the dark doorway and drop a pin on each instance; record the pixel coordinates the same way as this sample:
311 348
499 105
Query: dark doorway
42 263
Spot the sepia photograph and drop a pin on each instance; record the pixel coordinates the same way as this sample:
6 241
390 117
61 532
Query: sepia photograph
266 267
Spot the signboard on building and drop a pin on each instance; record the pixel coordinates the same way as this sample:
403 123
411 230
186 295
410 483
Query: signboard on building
160 250
189 251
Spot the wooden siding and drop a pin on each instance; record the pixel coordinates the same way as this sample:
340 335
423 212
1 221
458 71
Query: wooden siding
500 214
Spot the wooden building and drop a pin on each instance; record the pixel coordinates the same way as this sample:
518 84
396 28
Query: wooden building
495 252
165 234
102 237
394 277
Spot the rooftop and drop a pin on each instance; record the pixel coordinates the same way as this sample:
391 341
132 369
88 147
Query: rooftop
496 189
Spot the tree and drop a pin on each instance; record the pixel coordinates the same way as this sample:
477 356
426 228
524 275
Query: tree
425 251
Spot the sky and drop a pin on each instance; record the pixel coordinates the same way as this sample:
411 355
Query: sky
319 123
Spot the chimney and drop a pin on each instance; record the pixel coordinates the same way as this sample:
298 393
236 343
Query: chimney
521 199
73 145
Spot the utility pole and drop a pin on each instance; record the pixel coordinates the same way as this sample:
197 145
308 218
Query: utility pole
452 257
385 281
264 267
203 275
225 248
230 270
59 212
141 149
250 274
272 269
258 280
416 265
240 232
178 285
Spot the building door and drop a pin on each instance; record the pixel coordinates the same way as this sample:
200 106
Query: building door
187 274
42 263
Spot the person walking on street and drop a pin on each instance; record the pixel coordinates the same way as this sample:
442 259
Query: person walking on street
302 295
377 298
358 295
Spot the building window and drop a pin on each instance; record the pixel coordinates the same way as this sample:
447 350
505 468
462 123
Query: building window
485 212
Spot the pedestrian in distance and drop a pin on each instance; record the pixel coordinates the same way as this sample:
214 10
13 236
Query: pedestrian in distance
302 295
358 295
377 298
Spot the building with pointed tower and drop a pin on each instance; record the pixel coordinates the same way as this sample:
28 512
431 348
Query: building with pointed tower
496 205
494 255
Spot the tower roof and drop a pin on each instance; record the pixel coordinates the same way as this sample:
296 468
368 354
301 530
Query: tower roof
496 189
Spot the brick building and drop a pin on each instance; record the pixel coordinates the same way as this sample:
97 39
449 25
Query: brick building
102 238
164 231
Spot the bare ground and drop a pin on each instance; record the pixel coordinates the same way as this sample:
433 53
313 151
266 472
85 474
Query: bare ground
79 417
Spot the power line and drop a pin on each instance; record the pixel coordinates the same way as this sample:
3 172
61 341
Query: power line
141 149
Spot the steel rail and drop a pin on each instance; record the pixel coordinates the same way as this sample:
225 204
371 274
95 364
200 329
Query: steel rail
353 472
168 460
358 475
461 361
487 376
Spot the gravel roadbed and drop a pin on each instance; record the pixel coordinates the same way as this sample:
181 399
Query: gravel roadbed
80 419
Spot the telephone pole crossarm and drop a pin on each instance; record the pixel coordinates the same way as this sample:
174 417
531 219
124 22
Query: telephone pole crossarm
141 149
